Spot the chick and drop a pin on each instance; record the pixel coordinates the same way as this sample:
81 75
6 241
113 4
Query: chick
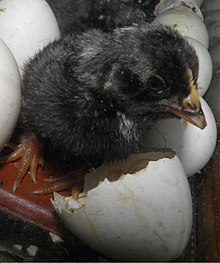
79 15
90 97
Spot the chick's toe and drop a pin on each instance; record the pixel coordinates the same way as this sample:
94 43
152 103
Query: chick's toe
30 152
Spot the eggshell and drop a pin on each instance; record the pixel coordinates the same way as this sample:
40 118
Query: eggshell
187 23
189 6
138 210
205 65
26 27
10 93
193 146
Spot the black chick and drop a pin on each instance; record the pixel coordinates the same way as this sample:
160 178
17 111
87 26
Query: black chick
90 97
79 15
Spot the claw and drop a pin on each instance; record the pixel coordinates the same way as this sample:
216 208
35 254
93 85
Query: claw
62 183
53 188
30 153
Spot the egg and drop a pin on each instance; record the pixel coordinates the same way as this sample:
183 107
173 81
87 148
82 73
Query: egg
26 27
135 210
189 6
10 93
205 65
186 23
193 146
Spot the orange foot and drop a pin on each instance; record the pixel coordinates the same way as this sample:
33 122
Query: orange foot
30 153
69 181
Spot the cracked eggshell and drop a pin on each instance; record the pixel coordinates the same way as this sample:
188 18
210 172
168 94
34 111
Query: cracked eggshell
10 93
26 27
193 146
136 210
205 65
186 23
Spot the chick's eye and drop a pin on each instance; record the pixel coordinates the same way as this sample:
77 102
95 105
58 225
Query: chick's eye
156 86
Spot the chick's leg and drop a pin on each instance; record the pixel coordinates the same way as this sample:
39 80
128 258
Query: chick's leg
30 152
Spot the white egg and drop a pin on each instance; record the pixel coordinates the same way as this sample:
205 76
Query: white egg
205 65
189 6
26 27
193 146
10 93
139 210
187 23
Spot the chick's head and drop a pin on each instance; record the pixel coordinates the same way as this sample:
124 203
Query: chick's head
159 77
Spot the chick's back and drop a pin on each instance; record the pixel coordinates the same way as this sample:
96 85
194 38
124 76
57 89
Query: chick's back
65 103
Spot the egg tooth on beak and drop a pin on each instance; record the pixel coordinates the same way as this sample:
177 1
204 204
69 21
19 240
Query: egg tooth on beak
190 108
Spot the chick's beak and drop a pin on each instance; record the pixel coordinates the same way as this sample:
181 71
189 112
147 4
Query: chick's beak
190 109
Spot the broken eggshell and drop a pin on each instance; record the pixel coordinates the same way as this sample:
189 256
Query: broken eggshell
26 27
135 210
10 93
186 23
193 146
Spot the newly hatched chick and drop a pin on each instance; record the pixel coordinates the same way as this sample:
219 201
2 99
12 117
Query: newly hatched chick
89 97
79 15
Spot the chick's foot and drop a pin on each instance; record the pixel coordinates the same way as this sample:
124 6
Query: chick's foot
70 181
30 152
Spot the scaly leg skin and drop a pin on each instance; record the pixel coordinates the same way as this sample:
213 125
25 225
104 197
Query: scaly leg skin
30 153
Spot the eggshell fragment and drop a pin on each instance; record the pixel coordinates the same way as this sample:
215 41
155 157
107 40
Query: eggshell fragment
205 65
137 210
10 93
193 146
187 23
26 27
